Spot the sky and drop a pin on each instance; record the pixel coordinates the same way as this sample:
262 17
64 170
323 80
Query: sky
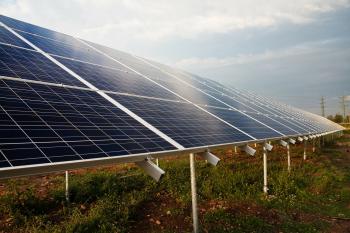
294 51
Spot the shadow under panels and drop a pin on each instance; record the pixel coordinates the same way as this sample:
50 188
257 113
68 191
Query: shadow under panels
43 124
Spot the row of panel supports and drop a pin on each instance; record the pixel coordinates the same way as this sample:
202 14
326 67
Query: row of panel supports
287 145
156 172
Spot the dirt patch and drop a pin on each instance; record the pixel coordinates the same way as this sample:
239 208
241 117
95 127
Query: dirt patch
339 226
162 212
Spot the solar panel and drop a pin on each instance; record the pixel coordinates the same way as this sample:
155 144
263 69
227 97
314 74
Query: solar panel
70 48
32 65
117 80
7 37
66 102
247 124
189 126
80 123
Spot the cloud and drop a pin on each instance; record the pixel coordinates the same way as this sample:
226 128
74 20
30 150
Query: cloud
156 20
250 43
207 63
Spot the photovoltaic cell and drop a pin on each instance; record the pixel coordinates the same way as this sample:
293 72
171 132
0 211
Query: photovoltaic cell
166 80
275 124
188 126
27 27
191 94
70 48
48 123
58 43
117 80
8 38
260 106
31 65
132 62
245 123
234 103
52 124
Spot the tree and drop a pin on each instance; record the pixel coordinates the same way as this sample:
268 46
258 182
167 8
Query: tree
338 118
330 117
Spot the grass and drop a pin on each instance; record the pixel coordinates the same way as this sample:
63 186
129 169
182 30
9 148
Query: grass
312 198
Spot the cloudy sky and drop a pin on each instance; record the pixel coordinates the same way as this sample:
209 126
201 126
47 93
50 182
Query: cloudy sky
295 51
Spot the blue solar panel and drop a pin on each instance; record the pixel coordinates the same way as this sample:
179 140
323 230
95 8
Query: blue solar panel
290 123
70 48
234 103
28 64
188 126
52 124
206 86
245 123
261 106
27 27
132 62
49 123
8 38
275 124
116 80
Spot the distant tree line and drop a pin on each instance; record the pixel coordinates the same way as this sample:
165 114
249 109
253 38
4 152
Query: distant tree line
337 118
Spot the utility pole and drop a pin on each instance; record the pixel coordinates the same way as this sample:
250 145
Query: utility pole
343 107
322 106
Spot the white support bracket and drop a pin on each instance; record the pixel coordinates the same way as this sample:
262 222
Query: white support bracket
283 143
151 169
247 149
306 138
286 144
268 146
211 158
300 139
291 141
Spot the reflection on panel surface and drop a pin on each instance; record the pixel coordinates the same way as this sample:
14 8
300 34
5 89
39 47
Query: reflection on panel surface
52 124
191 127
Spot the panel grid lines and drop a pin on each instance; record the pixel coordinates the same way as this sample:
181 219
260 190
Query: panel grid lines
63 99
95 127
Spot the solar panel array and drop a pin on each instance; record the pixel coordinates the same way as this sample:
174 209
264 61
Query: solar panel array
64 100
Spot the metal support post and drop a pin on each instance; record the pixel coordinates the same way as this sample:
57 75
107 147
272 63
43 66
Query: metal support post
157 162
322 144
235 149
313 146
67 187
265 169
305 145
288 157
194 194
